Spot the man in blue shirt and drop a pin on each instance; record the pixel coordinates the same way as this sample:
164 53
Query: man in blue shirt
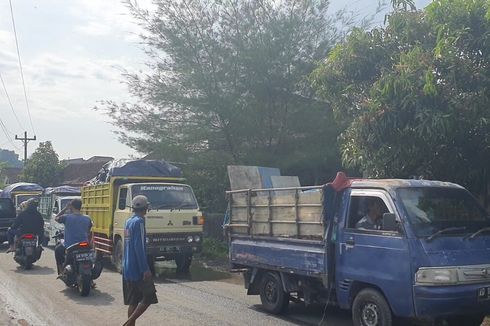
138 287
77 229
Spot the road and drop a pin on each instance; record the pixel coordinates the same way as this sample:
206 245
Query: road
35 297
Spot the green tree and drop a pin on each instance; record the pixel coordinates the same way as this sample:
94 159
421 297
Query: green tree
228 85
43 167
413 97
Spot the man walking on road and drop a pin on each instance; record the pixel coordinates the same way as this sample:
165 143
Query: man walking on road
138 287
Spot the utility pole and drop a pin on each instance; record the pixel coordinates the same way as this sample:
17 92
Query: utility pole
25 140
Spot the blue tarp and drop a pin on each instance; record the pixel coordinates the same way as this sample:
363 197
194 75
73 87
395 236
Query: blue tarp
19 187
137 168
62 190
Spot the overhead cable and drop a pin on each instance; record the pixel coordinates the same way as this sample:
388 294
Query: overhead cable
10 103
20 66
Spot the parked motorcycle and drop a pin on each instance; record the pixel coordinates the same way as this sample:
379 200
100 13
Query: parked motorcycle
81 266
27 250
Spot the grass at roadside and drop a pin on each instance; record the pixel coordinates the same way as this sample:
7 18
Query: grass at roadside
214 249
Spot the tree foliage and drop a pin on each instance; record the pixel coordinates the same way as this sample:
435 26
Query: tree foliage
413 97
228 85
43 167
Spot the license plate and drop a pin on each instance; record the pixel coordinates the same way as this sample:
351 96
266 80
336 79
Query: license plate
26 243
484 293
84 256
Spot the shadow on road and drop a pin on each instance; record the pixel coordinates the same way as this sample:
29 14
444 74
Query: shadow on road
95 298
35 270
197 273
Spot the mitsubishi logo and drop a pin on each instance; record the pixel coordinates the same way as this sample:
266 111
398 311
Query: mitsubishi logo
170 223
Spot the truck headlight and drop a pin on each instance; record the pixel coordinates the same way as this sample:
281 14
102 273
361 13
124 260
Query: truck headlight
190 239
436 276
197 238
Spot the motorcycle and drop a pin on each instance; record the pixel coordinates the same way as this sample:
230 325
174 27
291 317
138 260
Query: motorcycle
81 266
27 250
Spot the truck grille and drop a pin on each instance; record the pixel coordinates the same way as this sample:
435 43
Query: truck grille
167 238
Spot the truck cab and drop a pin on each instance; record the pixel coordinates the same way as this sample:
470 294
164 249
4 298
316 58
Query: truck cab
173 222
7 217
423 253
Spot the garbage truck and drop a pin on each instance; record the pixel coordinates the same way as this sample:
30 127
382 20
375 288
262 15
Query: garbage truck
174 223
385 249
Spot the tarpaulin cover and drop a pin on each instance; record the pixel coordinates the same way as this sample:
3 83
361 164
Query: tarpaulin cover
137 168
62 190
19 187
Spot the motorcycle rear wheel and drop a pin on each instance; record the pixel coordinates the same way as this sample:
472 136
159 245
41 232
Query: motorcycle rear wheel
84 284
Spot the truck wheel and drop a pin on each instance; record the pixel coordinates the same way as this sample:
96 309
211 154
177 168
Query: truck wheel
273 297
117 256
468 320
183 263
371 309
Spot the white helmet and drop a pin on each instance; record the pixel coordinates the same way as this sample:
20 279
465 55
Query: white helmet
140 202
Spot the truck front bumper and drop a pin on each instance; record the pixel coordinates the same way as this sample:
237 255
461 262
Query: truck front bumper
172 250
440 301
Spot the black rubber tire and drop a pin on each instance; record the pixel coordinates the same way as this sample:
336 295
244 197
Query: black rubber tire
27 266
183 263
117 256
466 320
371 304
272 295
84 284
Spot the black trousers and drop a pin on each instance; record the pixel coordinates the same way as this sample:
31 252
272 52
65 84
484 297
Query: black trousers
59 254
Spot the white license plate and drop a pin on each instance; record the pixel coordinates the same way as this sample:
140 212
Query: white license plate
84 256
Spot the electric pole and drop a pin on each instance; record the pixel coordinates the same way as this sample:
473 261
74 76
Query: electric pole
25 140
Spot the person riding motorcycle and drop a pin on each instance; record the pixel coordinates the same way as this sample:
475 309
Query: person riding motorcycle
29 220
77 229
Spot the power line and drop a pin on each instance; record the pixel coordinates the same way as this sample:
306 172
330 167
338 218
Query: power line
10 102
20 66
5 131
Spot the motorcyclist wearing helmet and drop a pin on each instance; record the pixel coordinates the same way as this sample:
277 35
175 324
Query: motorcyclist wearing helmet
28 221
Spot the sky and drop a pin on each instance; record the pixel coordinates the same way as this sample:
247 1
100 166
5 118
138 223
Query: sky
73 54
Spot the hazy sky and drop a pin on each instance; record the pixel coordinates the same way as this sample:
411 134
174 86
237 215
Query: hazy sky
73 53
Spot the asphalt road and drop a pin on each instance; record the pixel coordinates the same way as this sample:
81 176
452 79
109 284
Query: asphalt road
36 297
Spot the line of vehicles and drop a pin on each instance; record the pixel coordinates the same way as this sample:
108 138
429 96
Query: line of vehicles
425 256
174 224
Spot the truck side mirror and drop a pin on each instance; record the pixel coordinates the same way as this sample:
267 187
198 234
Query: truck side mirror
389 222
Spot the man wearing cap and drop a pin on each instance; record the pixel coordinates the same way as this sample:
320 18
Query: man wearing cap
29 220
138 287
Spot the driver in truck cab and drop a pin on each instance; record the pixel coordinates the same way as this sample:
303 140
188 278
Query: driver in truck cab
373 220
77 229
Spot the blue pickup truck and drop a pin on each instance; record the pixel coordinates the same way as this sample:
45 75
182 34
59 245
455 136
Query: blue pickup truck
385 249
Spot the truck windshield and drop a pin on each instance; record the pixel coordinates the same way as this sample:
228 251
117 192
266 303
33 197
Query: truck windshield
167 196
65 202
431 209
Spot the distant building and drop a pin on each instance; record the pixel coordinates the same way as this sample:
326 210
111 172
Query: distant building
78 171
10 158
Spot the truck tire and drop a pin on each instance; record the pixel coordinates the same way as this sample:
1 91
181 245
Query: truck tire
272 295
183 263
371 309
467 320
117 256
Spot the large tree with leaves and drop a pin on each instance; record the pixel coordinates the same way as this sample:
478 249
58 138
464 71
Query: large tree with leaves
43 167
414 96
228 85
